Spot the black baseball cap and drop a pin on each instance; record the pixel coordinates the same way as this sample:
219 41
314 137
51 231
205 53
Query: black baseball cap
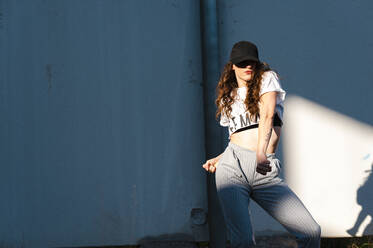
244 50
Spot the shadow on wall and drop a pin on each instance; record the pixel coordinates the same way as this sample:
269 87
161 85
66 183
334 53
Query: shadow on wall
194 230
168 240
366 207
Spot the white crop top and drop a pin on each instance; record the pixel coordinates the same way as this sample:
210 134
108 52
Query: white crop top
240 117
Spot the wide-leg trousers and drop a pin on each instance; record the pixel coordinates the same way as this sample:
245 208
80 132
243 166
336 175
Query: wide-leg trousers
237 181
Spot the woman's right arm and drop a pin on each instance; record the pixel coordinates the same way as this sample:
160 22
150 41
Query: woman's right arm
217 158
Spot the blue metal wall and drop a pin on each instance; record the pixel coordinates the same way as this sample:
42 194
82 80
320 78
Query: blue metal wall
102 135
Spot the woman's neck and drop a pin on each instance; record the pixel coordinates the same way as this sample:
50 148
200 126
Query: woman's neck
241 83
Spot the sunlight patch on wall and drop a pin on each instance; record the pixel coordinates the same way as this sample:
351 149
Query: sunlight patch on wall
328 160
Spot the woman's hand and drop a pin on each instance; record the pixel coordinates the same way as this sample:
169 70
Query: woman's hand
210 165
263 164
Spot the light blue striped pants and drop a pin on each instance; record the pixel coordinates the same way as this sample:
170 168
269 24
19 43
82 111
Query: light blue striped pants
237 181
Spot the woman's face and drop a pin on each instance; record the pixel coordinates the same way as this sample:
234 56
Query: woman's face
244 70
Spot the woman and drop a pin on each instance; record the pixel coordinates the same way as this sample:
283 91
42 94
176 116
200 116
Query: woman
250 103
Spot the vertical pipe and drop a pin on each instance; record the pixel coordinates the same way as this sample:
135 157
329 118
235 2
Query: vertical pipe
213 134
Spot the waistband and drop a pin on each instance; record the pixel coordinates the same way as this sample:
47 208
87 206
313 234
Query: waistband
243 149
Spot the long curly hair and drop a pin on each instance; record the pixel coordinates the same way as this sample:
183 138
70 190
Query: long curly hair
228 82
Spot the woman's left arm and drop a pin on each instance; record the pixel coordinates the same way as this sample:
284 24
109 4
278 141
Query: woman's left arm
266 112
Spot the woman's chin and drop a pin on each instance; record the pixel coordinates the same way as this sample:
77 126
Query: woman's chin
246 77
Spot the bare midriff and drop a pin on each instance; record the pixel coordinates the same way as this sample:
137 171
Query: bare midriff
249 139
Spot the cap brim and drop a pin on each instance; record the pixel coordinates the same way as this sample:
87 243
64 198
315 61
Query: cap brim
243 58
